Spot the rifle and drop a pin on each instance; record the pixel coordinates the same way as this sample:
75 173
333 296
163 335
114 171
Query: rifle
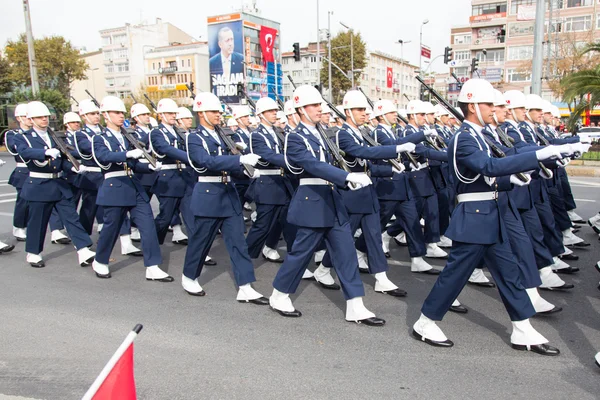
233 149
132 139
73 98
133 97
370 140
498 153
252 105
153 105
508 142
62 147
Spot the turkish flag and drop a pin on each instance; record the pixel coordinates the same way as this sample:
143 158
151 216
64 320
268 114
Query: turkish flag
390 77
267 42
120 383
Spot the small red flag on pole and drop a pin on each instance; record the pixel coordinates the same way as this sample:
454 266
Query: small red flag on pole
116 381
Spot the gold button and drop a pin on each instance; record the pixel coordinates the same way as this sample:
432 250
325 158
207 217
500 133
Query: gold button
207 190
476 210
307 198
111 184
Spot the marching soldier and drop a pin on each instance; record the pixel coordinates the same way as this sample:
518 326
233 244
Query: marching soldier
317 209
121 193
241 136
45 189
215 203
291 115
477 228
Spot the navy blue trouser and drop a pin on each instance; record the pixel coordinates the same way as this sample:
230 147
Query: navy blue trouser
203 235
114 218
522 250
566 189
535 232
20 213
552 236
427 208
168 214
268 218
339 242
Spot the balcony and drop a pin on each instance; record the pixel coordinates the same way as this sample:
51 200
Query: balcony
486 43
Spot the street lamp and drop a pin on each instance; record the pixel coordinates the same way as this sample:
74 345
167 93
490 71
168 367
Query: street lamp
351 50
94 79
425 22
402 43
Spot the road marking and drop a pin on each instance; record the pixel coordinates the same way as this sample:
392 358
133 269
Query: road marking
585 200
4 181
5 214
8 200
583 183
7 194
4 184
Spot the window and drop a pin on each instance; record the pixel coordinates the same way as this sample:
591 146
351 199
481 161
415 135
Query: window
120 53
122 67
579 3
462 55
492 8
110 82
462 71
491 56
520 53
189 62
577 24
106 40
119 39
109 68
462 39
108 55
515 75
182 63
172 64
515 4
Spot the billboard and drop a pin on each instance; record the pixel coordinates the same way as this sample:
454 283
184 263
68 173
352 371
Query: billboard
226 63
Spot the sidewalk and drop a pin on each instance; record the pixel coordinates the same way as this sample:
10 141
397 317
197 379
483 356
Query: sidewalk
583 168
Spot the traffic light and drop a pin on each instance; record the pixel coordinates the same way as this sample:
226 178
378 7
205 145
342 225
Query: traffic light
447 54
192 87
474 65
296 51
423 94
240 89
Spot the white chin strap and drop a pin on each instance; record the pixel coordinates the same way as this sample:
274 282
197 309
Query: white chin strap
352 118
295 118
106 117
87 121
137 119
206 119
478 112
386 120
36 125
496 120
264 121
307 117
514 115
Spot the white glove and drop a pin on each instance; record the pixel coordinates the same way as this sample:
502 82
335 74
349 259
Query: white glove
406 147
418 167
135 154
82 169
399 171
241 146
580 147
359 180
157 168
543 174
54 153
517 182
249 159
430 132
548 153
2 162
255 175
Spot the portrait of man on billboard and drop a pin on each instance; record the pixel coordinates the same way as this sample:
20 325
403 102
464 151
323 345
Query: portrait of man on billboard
227 61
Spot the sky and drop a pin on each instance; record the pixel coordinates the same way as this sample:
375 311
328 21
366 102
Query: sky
381 22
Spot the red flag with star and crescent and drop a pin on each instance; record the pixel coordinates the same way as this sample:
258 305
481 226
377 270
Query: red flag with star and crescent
390 76
267 42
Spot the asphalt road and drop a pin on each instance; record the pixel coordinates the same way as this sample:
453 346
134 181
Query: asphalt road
59 325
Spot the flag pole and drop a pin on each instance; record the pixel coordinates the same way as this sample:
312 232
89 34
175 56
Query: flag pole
111 363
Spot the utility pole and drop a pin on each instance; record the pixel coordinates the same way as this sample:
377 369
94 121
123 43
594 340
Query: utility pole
35 86
538 49
329 14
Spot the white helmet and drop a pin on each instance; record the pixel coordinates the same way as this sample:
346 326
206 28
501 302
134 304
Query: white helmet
534 102
280 115
547 106
87 106
370 113
499 99
153 122
514 99
402 113
183 112
231 122
240 111
138 109
21 110
207 101
383 107
167 106
306 95
555 111
288 108
112 103
265 104
476 91
37 109
354 99
71 117
429 108
440 111
325 108
415 107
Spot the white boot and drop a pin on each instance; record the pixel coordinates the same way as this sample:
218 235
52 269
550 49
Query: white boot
444 242
35 260
85 256
127 247
385 242
383 283
323 275
569 238
178 235
20 234
418 264
135 234
427 331
539 304
154 273
271 254
308 274
253 216
99 228
401 239
58 237
357 233
192 286
247 207
550 280
567 251
574 217
422 222
363 265
246 293
559 264
101 270
319 256
594 222
281 301
356 310
433 251
478 276
456 303
524 334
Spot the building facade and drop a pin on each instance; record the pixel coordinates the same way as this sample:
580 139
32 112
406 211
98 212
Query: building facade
303 72
94 82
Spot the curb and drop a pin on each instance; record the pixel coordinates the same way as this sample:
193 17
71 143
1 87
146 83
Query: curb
583 171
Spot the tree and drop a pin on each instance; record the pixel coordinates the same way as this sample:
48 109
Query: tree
5 81
49 96
341 56
58 63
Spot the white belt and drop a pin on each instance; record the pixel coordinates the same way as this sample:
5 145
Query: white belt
114 174
482 196
270 171
21 165
173 166
93 169
45 175
313 181
214 179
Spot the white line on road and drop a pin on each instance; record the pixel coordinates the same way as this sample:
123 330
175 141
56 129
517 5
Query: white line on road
8 200
7 194
585 200
5 214
583 183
